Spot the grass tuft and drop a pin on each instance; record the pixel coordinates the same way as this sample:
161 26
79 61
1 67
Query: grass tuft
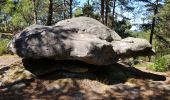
3 46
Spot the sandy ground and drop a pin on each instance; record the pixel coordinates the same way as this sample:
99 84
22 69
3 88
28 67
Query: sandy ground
53 88
8 60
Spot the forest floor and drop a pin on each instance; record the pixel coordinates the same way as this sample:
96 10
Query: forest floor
8 60
85 89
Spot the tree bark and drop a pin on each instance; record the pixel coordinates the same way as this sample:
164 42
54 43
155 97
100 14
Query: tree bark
153 25
153 22
107 10
35 12
71 9
102 11
64 9
113 14
88 3
50 13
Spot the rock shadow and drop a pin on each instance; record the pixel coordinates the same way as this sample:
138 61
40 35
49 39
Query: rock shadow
59 84
47 69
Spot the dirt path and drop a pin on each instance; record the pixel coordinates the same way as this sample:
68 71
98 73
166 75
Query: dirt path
166 74
7 60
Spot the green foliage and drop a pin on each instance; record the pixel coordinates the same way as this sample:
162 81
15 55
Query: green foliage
162 64
78 12
3 46
141 34
88 10
145 27
151 66
20 14
164 20
123 27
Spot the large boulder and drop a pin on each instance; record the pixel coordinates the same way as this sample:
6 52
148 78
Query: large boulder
83 39
86 25
64 46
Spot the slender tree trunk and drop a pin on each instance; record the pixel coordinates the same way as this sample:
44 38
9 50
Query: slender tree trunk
64 9
107 10
153 21
50 13
88 3
35 12
102 11
152 30
153 24
71 9
113 20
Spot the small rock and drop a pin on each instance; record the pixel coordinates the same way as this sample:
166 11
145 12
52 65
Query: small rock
160 87
51 89
135 92
64 97
166 87
142 88
18 86
4 90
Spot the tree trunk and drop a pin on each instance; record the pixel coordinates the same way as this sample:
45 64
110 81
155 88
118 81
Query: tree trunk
107 11
153 24
35 12
50 13
153 21
88 3
152 30
102 11
71 13
64 9
113 14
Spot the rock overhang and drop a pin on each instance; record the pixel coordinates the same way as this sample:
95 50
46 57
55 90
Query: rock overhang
81 38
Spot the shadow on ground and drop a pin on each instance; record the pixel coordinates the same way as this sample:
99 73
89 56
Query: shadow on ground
108 83
116 73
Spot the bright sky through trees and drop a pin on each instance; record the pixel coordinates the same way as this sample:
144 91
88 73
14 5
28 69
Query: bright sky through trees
135 17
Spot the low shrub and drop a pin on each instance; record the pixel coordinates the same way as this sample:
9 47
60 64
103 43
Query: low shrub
3 46
162 63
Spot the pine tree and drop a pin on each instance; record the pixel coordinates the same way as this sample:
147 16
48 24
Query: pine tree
152 7
50 13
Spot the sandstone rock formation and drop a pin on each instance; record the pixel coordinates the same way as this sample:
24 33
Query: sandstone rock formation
83 39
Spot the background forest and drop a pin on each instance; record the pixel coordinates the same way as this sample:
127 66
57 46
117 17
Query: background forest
149 19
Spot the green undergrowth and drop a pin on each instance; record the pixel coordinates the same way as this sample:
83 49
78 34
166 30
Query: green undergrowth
159 64
3 46
162 63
